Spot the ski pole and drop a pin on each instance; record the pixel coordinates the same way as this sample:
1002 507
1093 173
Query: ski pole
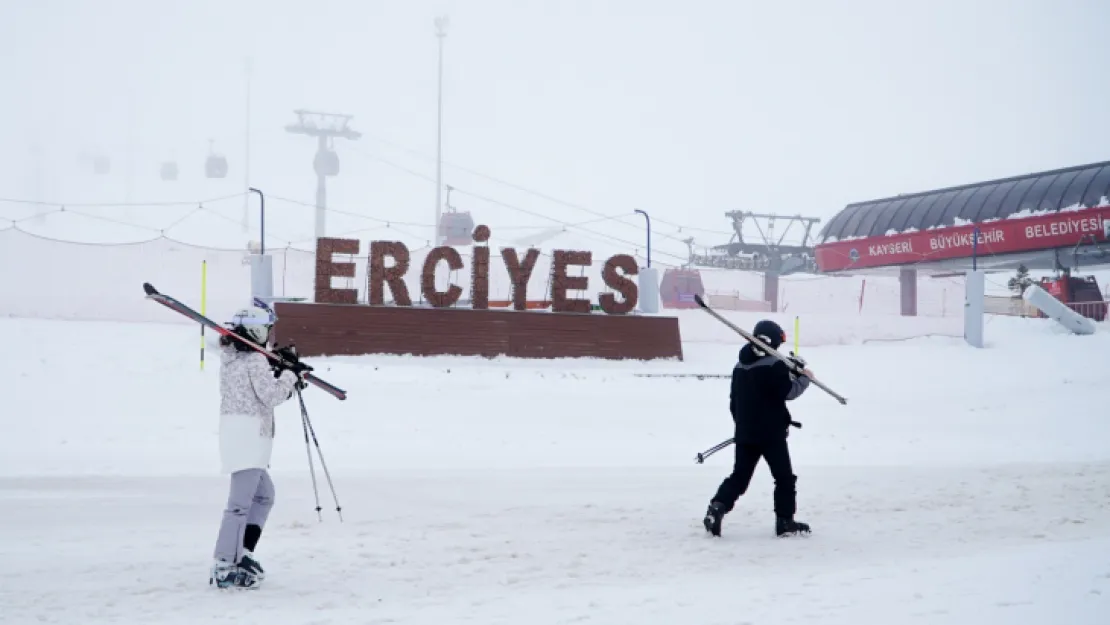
700 458
308 452
327 474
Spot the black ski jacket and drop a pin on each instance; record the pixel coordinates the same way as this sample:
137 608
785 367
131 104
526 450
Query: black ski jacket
761 386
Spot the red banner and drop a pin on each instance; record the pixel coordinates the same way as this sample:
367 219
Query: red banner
997 237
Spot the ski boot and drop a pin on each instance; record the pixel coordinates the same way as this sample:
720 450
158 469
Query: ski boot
789 527
249 564
227 575
713 516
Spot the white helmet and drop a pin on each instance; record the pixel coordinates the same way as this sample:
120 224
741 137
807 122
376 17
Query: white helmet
256 323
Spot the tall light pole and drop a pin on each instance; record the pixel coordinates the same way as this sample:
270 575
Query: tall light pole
247 146
129 159
441 33
36 152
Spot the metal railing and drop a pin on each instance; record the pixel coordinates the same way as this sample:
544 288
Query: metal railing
1018 307
1091 310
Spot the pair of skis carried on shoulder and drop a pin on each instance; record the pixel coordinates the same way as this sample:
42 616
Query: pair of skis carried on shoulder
182 309
767 348
751 338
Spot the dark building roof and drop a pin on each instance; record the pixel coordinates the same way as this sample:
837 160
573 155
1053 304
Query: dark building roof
1084 185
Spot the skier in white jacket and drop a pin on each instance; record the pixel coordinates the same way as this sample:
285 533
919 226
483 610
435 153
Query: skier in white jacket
249 391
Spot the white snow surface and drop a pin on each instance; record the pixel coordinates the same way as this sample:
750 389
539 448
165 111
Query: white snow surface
957 486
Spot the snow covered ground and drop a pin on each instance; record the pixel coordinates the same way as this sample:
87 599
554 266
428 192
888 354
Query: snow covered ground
957 486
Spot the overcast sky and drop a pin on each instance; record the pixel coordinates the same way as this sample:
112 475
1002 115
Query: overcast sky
687 109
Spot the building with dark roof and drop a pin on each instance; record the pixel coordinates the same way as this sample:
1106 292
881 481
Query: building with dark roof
1051 219
1052 191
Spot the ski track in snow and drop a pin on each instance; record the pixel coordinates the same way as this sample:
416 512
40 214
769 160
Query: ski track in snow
600 545
958 486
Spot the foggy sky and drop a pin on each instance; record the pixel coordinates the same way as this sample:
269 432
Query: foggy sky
687 109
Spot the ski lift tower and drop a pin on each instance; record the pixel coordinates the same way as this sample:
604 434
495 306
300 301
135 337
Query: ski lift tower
772 256
776 256
326 127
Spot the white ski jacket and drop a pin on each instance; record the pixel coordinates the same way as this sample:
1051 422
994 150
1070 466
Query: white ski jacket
248 394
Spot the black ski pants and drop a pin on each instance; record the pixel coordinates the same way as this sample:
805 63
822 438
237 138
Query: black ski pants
777 455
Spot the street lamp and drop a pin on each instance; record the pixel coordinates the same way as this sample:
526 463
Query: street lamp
261 219
649 279
644 213
441 23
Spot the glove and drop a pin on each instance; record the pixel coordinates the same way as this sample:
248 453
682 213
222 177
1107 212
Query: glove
288 354
799 364
292 361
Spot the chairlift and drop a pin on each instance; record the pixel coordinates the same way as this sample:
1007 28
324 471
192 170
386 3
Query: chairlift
215 166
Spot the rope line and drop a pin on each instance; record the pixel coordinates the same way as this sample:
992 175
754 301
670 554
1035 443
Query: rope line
121 204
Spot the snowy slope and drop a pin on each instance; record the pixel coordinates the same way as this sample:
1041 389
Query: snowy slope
957 486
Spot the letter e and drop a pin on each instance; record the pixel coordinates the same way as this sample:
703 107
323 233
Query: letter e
327 268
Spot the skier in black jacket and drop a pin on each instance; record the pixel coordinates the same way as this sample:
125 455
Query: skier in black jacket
761 386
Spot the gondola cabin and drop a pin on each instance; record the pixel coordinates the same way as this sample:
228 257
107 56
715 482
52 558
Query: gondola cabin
456 228
169 171
215 166
679 286
326 163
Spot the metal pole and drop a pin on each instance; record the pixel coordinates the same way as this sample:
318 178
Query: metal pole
130 160
644 213
321 190
36 151
441 33
321 202
975 249
247 147
261 220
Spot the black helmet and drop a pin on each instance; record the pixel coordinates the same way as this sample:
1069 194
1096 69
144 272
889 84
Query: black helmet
770 333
